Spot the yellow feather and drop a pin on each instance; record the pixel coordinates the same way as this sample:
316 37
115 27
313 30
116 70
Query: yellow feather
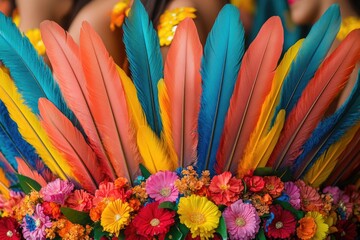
153 150
325 164
166 134
30 127
4 184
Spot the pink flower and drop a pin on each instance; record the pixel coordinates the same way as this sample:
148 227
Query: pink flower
225 189
335 193
293 192
80 200
310 198
160 186
34 226
241 220
7 204
107 190
57 191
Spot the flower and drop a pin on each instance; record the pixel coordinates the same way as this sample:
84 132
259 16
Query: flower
80 200
254 183
160 186
154 221
293 192
107 190
273 185
225 189
310 198
283 224
131 233
115 216
200 215
313 226
57 191
34 226
306 228
346 230
335 193
8 229
51 209
241 220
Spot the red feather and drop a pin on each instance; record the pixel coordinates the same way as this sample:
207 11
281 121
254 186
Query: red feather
25 170
64 55
253 84
183 82
328 81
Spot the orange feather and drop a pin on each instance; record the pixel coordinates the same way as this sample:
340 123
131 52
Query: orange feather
25 170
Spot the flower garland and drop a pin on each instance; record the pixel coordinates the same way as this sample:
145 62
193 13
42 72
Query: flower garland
181 205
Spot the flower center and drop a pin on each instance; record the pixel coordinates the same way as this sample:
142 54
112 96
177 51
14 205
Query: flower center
197 218
240 222
117 217
37 223
270 187
154 222
224 187
279 225
165 192
9 233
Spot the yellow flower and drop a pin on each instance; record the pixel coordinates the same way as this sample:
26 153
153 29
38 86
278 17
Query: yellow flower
115 216
321 227
200 215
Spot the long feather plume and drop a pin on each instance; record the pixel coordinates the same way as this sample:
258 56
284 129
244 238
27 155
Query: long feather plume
146 65
311 54
31 75
107 103
69 141
10 172
26 170
328 81
4 184
30 129
223 51
253 84
64 56
183 82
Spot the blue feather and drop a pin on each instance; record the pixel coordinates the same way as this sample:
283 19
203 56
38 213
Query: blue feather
220 65
311 54
10 172
146 65
31 75
330 130
11 142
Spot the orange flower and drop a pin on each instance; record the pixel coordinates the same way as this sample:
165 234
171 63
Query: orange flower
135 204
307 228
273 185
121 182
225 189
267 199
62 232
95 213
51 209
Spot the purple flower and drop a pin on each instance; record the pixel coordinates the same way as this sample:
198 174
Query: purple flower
57 191
335 193
294 194
241 220
34 226
160 186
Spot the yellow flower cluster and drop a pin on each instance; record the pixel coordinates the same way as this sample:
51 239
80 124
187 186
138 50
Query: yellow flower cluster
68 230
26 206
190 183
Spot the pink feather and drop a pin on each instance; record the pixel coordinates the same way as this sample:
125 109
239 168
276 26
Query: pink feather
25 170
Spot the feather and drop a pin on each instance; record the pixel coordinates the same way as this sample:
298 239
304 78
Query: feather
64 55
4 185
30 129
153 151
264 138
31 75
183 82
12 144
223 51
311 54
107 103
253 84
146 65
323 166
26 170
69 141
328 81
166 135
10 172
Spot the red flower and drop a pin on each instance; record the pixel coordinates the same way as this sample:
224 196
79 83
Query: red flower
283 225
154 221
131 233
51 209
8 229
346 230
225 189
189 237
274 186
255 183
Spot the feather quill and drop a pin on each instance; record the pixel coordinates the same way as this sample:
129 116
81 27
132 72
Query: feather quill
146 65
30 128
253 84
183 82
223 51
107 103
328 81
311 54
26 170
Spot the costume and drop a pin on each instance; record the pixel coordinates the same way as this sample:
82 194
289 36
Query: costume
200 128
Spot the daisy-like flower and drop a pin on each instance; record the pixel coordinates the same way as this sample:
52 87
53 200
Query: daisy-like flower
9 229
34 226
241 220
107 190
154 221
273 185
283 225
310 198
293 192
200 215
80 200
57 191
225 189
308 230
115 216
131 233
161 186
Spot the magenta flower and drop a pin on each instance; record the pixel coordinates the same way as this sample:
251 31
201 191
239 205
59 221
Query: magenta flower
335 193
160 186
242 221
34 226
293 192
57 191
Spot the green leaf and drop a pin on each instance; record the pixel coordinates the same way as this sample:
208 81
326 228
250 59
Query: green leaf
264 171
287 206
168 205
27 184
76 217
221 229
146 174
99 231
175 233
183 229
261 235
